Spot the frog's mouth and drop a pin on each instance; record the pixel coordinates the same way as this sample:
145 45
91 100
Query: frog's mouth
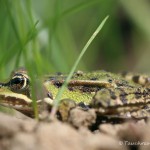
16 101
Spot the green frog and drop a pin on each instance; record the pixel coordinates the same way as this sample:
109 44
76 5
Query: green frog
120 95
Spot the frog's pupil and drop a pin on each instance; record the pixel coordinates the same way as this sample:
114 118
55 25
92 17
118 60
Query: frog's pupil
16 81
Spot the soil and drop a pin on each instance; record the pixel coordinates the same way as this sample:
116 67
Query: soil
82 131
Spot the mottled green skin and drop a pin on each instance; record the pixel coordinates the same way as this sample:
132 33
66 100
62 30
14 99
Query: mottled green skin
110 95
81 93
74 95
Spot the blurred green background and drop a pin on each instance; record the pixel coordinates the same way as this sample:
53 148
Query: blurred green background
47 36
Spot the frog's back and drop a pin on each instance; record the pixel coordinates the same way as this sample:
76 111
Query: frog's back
83 86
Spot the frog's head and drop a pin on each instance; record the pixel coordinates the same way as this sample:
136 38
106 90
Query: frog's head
16 92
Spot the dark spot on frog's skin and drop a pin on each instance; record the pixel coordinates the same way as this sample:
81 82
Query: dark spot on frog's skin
123 93
139 90
147 108
123 99
145 93
94 78
86 89
70 88
137 95
58 84
78 73
49 94
110 80
119 84
89 89
122 83
98 88
112 95
136 78
148 90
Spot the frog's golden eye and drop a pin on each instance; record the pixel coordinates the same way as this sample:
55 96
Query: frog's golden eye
19 82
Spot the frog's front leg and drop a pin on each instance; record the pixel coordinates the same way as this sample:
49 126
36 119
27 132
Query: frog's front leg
16 101
64 108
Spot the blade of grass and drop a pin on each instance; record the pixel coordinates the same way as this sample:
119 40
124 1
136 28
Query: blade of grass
34 102
79 7
31 35
14 26
58 96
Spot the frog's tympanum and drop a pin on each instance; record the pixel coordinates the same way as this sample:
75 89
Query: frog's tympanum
118 95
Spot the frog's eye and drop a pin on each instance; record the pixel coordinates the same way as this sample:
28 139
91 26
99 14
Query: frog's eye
19 82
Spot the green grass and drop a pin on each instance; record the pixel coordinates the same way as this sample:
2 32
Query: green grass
53 30
25 50
83 51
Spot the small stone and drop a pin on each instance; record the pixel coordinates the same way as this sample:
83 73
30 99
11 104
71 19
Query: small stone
80 118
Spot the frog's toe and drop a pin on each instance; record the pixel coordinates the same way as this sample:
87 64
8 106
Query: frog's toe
64 108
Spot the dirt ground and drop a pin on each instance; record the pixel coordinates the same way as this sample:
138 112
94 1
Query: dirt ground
80 132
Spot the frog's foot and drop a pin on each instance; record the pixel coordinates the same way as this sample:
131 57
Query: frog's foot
44 108
64 108
78 115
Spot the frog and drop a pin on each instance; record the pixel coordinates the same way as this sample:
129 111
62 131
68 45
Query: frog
109 94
